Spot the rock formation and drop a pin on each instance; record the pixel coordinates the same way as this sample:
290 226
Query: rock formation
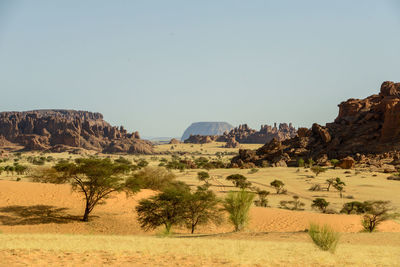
245 135
200 139
174 141
59 130
206 128
232 143
367 129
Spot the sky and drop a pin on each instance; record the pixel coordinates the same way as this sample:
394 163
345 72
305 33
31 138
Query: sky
158 66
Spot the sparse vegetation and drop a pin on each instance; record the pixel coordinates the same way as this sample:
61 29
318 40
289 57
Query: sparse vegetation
294 204
324 237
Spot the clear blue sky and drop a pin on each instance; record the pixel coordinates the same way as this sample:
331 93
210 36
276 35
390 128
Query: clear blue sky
157 66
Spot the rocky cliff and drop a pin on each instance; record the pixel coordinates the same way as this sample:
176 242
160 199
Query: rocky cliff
206 128
58 130
364 129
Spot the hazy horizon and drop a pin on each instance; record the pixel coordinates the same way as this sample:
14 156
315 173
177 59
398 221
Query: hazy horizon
158 66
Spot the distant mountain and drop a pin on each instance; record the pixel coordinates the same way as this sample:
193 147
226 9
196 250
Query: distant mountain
206 128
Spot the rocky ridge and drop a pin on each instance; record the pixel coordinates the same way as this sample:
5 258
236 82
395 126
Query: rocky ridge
367 130
61 130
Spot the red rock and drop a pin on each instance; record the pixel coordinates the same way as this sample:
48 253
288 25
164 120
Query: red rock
346 163
57 130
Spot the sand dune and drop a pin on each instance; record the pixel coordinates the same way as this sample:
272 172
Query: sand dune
47 208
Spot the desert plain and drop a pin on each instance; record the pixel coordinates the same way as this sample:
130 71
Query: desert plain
40 222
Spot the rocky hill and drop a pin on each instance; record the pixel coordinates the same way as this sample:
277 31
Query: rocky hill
60 130
367 130
206 128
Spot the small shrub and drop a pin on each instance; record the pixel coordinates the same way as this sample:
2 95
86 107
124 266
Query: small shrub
324 237
317 170
334 162
238 204
315 187
253 170
294 204
321 204
262 200
300 162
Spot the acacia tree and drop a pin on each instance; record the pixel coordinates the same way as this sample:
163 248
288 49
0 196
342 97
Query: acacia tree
201 208
330 182
95 178
239 181
320 204
376 212
278 185
339 185
166 208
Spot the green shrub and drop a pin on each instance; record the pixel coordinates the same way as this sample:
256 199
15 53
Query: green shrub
324 237
300 162
239 181
238 204
321 204
376 212
278 185
262 200
317 170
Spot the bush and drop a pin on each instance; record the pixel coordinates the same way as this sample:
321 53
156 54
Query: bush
238 204
321 204
239 181
317 170
315 187
324 237
278 185
353 207
262 200
300 162
294 204
155 178
334 162
253 170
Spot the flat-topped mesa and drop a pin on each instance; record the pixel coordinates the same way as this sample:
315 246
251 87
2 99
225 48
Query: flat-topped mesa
363 127
60 129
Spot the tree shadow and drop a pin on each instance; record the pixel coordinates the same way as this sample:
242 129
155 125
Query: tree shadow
33 215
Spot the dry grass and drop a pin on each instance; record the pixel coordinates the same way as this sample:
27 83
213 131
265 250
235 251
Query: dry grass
185 251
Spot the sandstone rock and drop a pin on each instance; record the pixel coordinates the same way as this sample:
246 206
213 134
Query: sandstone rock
232 143
365 128
200 139
346 163
60 130
174 141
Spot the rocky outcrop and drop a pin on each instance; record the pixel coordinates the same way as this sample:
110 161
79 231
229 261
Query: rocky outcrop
232 143
58 130
206 128
366 129
200 139
245 135
174 141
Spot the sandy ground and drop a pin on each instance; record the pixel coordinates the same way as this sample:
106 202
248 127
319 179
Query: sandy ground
47 208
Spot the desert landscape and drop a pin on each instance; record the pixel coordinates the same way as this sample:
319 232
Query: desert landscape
199 133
